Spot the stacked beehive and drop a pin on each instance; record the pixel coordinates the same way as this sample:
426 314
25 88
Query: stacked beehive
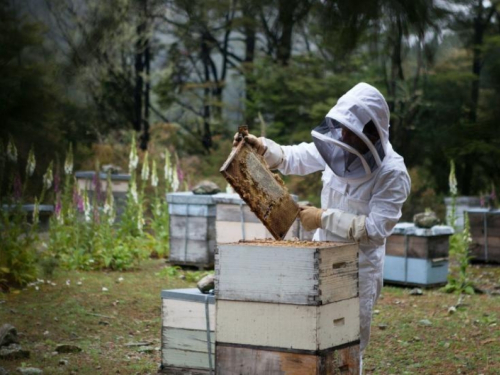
485 232
417 256
287 308
192 229
235 221
188 321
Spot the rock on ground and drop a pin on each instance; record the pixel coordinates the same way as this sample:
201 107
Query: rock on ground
13 351
8 335
67 348
29 371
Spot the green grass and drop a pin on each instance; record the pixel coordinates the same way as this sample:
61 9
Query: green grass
467 342
52 315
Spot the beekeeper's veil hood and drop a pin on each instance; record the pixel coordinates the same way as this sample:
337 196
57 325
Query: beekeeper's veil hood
358 107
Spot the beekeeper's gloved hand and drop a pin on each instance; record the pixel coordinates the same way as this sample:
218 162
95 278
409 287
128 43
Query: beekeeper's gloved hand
251 140
310 217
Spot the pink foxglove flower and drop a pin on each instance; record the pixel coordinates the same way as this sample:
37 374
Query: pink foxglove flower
18 187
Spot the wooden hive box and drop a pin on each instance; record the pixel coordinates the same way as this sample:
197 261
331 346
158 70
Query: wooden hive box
242 360
184 347
485 233
417 256
119 187
235 221
192 229
291 272
45 212
287 295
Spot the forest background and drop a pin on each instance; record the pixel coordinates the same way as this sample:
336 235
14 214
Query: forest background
185 73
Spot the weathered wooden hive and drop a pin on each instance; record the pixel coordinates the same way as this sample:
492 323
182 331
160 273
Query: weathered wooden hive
186 332
417 256
485 233
45 212
119 187
192 229
235 221
287 307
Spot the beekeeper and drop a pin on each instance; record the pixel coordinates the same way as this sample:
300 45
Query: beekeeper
365 183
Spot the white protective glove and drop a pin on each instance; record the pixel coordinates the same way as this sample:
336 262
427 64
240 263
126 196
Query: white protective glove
345 225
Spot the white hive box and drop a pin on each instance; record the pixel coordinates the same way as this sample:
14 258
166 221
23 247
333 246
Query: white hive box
184 347
417 256
294 272
192 229
287 295
235 221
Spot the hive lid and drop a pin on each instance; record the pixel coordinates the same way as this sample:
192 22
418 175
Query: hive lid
410 229
188 197
189 294
89 175
483 211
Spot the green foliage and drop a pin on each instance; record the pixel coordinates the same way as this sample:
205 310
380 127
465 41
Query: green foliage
83 232
178 272
18 263
459 279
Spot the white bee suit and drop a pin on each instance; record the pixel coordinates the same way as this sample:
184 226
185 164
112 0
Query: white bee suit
363 203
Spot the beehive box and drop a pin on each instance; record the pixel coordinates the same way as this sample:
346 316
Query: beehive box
287 295
290 272
232 360
235 221
485 233
192 229
119 187
45 211
184 347
417 256
412 242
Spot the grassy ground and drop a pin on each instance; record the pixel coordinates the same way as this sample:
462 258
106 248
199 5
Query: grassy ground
102 322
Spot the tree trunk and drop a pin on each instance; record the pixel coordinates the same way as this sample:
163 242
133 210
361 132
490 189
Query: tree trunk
250 31
147 64
139 83
479 27
206 139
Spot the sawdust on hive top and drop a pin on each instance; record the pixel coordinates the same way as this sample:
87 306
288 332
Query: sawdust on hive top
290 243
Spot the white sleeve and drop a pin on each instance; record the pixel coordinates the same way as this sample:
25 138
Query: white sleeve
390 192
299 160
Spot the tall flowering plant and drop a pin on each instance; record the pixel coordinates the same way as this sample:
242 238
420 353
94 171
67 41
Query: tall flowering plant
17 237
458 279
